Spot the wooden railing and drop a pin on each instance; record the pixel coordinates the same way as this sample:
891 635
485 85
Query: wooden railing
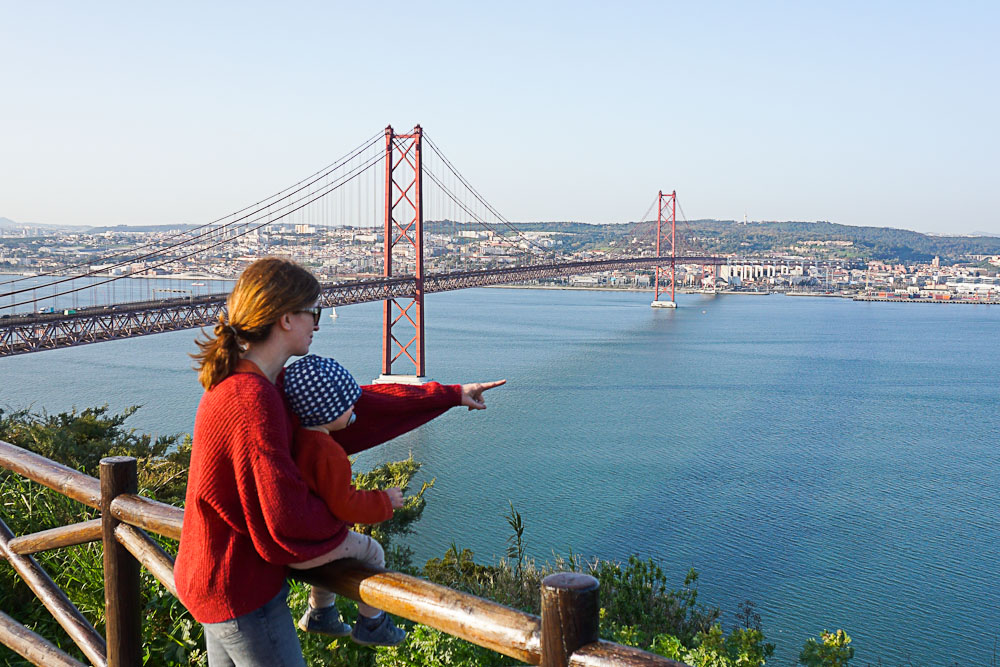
565 634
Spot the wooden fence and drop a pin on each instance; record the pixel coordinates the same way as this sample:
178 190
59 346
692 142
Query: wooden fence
565 634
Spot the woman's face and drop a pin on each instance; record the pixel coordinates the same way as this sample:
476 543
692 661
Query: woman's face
303 325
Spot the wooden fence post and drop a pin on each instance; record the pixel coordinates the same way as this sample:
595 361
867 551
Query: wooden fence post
121 571
570 616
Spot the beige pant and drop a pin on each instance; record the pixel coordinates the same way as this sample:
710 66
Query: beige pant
355 545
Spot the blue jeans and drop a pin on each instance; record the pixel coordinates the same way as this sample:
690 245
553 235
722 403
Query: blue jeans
265 637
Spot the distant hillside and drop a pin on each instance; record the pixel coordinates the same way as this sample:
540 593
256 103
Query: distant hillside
879 243
803 238
7 223
140 228
822 239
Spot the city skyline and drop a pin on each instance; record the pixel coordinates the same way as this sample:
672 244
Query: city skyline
856 114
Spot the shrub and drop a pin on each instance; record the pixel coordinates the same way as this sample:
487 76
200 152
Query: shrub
833 650
80 440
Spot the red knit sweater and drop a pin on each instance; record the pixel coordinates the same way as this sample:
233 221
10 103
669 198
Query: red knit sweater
248 511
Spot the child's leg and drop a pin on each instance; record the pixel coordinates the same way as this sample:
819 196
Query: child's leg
366 550
355 545
374 627
320 597
322 616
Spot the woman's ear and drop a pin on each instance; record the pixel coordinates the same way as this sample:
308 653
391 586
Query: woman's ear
285 322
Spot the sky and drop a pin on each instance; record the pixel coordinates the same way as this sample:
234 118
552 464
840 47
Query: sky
861 113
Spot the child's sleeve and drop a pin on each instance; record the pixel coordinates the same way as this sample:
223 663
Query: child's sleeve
386 411
327 471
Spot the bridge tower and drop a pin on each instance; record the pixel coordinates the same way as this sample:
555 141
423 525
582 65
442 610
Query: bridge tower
666 209
404 234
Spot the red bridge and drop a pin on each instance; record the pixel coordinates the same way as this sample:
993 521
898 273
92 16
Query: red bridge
106 306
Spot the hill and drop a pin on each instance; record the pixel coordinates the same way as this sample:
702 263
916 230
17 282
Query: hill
141 228
8 224
823 239
849 242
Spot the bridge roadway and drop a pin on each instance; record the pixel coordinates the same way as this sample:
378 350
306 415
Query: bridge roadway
21 334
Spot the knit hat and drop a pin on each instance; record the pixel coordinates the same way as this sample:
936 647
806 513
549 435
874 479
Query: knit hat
319 389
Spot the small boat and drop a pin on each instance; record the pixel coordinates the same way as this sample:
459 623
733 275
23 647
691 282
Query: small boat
333 313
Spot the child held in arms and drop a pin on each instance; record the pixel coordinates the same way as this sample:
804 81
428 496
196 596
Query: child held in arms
329 401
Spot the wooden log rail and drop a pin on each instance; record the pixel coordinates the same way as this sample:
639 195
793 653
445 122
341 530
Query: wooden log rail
566 633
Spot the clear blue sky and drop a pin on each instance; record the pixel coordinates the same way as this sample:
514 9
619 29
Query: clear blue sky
864 113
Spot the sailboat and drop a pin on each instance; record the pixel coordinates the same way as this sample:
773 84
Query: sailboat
333 313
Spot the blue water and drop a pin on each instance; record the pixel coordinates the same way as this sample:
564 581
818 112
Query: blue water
835 462
39 293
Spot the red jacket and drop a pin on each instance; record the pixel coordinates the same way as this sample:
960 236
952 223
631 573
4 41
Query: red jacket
248 511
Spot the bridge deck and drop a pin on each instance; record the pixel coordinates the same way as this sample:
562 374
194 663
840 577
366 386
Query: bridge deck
21 334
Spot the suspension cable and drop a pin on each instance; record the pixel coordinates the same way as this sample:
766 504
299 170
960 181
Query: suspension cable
479 197
221 229
291 190
271 219
473 215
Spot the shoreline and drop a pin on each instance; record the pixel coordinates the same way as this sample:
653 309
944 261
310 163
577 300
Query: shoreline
853 297
969 302
618 289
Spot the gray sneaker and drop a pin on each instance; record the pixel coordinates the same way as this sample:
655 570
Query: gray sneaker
324 621
384 634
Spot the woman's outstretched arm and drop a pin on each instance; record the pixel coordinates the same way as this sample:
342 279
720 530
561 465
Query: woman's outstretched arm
386 411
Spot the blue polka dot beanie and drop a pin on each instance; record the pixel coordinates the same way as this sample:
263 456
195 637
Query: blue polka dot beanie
319 389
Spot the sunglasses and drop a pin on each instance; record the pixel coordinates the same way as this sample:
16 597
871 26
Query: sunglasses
315 311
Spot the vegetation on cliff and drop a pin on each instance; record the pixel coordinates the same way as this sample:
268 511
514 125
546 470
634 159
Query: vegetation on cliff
638 606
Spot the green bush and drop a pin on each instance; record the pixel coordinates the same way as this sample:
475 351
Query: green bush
80 440
637 607
395 473
741 648
833 650
634 594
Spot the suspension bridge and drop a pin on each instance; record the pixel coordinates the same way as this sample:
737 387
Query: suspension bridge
374 201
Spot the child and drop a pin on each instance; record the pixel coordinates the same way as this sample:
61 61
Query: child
328 400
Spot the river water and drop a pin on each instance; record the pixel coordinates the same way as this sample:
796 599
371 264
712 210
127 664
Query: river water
835 462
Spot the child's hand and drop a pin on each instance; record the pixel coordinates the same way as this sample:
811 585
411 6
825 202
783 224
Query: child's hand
395 497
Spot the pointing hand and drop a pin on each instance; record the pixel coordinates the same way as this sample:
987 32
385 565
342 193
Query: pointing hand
472 394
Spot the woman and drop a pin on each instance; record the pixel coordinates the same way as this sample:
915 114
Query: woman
249 513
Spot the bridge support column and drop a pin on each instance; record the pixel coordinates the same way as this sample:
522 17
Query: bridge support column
671 200
404 226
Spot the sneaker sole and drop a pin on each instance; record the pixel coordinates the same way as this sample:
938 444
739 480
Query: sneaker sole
337 635
364 643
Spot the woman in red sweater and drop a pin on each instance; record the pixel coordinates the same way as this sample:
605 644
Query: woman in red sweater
248 511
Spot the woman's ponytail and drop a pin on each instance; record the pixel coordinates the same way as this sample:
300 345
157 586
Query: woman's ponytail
219 354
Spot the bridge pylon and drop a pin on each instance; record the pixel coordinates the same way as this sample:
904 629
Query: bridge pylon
666 209
404 234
